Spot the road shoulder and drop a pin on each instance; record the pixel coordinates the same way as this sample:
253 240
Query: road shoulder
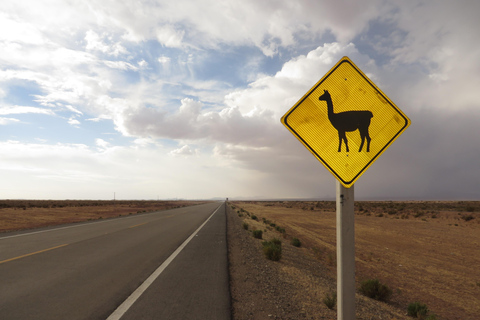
195 284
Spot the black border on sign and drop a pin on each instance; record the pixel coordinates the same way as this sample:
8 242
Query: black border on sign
374 88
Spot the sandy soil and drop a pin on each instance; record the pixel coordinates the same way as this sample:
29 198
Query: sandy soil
424 251
25 214
292 288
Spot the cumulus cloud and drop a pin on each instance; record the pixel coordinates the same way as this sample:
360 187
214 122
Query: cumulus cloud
431 45
266 24
74 122
143 66
96 42
5 121
190 123
73 109
77 171
170 37
102 144
250 116
184 151
164 60
122 65
247 132
280 91
19 31
4 110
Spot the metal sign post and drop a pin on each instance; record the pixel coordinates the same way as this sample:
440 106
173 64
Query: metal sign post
345 253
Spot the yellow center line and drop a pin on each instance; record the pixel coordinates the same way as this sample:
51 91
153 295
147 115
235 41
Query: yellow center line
30 254
138 225
141 224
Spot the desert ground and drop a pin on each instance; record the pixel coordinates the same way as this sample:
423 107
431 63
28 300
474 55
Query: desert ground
31 214
424 251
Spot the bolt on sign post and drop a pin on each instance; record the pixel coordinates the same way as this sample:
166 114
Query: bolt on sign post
346 122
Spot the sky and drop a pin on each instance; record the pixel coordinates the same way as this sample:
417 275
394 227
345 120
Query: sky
167 99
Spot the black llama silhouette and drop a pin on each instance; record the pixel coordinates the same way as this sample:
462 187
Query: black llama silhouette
348 121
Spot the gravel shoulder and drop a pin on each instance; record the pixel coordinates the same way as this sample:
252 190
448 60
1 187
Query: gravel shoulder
292 288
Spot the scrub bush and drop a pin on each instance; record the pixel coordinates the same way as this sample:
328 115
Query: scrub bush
374 289
295 242
257 234
330 300
272 249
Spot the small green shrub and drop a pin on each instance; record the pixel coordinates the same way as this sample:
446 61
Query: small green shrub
257 234
245 226
418 214
254 217
276 241
372 288
272 249
417 310
295 242
281 230
330 300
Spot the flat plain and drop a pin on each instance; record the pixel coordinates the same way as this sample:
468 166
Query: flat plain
30 214
424 251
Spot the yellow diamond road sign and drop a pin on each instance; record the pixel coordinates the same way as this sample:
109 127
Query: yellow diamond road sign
346 121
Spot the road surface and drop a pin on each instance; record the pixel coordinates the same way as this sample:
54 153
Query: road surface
86 271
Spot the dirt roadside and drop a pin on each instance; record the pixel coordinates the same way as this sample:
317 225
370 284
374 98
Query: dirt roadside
426 251
292 288
18 215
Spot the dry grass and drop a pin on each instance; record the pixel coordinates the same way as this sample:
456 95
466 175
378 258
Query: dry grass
30 214
424 251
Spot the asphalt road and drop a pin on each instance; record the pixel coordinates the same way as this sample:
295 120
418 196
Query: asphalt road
86 271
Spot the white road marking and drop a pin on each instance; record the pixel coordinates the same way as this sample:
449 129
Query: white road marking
123 308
